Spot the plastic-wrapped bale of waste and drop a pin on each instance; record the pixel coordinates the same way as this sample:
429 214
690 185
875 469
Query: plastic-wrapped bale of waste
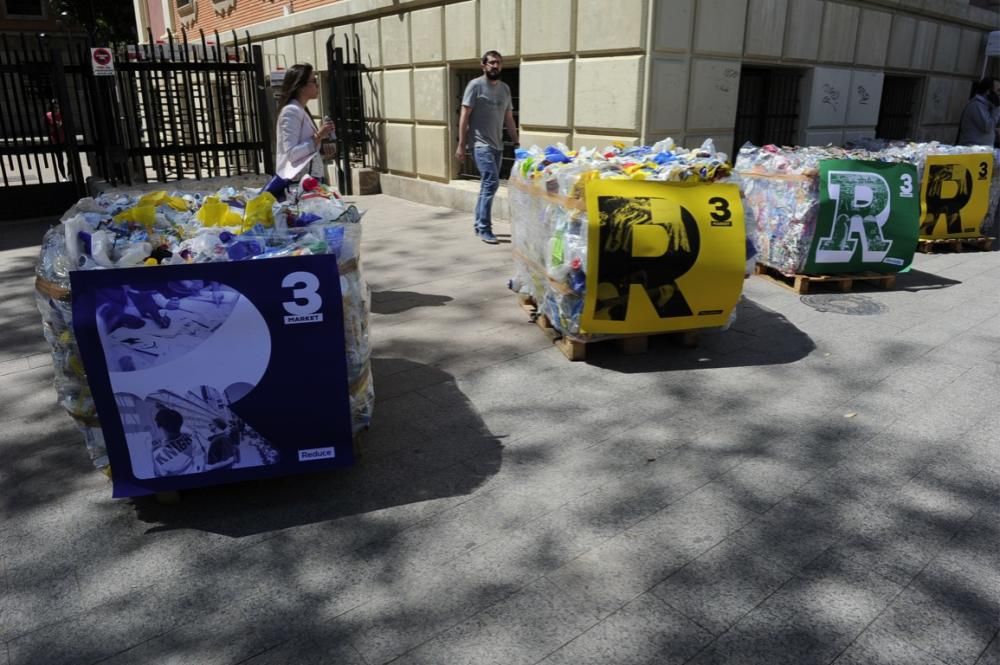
991 224
549 216
780 188
916 153
127 229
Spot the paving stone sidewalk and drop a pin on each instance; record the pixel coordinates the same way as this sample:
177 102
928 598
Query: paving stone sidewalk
807 487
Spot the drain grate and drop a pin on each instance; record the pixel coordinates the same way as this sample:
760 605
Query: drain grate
845 303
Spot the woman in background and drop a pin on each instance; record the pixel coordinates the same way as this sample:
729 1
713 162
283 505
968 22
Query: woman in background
57 135
978 124
299 139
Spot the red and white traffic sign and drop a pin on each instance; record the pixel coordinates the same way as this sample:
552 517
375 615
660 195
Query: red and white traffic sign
102 61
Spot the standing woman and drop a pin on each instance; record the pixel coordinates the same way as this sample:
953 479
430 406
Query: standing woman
978 124
57 136
299 140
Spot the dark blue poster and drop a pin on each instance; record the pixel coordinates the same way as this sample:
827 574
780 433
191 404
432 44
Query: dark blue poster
212 373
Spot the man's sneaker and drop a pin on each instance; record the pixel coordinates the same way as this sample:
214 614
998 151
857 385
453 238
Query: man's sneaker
488 238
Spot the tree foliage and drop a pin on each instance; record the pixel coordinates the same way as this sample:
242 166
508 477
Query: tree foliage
109 22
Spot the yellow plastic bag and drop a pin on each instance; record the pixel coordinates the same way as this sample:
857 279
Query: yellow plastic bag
260 210
140 214
214 212
161 197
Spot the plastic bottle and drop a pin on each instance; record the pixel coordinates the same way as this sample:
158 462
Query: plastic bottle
73 227
577 278
134 255
100 246
560 272
239 248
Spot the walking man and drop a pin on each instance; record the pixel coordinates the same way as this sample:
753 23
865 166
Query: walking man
486 108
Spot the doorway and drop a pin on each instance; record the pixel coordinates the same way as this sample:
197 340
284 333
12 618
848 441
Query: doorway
897 106
767 109
467 170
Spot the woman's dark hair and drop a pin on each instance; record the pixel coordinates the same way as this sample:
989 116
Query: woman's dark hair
53 103
982 86
296 78
169 420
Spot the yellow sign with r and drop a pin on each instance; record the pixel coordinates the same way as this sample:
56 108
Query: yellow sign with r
662 256
955 190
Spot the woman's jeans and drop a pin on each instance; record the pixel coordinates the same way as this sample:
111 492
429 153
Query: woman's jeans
488 163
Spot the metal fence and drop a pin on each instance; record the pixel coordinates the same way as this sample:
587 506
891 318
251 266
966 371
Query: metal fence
345 97
174 110
39 165
191 110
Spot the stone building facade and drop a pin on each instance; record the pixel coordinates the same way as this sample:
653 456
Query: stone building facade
590 72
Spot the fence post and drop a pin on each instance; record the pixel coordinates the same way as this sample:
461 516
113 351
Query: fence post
69 125
362 117
263 105
345 137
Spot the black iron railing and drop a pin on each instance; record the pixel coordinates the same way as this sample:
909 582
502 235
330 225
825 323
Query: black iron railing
170 110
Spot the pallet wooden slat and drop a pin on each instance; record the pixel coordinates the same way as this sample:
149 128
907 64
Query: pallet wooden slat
844 282
957 245
575 349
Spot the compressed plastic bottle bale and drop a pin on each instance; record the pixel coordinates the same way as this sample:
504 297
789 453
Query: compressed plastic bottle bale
781 188
991 223
549 225
128 228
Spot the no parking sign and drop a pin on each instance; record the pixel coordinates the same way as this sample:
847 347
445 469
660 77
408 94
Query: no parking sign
102 61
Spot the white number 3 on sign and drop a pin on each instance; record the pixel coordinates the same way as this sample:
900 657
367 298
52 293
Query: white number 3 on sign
905 186
304 287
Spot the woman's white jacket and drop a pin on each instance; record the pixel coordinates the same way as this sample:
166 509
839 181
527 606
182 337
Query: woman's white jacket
297 149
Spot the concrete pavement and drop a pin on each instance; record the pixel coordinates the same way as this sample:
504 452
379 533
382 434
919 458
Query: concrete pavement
808 487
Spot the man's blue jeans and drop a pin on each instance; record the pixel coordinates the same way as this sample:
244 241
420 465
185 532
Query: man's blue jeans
488 163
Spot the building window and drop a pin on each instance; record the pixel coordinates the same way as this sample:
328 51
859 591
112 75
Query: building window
187 12
26 8
895 112
767 110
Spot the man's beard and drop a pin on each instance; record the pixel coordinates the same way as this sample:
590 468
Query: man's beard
492 74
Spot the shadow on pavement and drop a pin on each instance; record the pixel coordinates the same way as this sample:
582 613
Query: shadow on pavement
393 302
20 320
26 233
918 280
759 336
400 464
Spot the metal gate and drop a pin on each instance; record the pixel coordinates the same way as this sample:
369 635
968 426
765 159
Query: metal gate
188 110
345 97
170 111
39 157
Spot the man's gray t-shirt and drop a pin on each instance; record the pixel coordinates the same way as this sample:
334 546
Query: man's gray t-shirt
489 104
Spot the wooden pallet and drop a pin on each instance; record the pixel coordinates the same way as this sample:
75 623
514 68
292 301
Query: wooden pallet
844 282
932 245
575 349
